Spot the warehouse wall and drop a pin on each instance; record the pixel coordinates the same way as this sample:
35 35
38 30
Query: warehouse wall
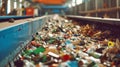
99 8
91 5
12 6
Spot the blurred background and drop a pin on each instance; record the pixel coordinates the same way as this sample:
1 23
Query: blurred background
93 8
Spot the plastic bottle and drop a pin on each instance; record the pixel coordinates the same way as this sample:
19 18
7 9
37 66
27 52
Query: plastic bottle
73 63
28 64
38 50
95 55
69 44
92 64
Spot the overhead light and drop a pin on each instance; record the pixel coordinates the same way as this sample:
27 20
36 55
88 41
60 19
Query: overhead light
69 5
8 7
15 5
73 4
20 5
78 2
20 0
73 1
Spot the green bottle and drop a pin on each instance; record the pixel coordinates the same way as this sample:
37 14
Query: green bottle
44 58
51 40
94 55
38 50
92 64
54 31
27 52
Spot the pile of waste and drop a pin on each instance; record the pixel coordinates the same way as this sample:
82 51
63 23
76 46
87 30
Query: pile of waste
65 43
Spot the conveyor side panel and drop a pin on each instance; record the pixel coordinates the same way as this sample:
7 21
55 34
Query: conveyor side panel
15 38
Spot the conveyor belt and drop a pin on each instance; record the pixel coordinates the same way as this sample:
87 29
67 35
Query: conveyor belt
112 21
65 44
103 24
19 34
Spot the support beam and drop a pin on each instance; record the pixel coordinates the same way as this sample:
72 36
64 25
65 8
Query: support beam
96 7
75 7
117 2
86 5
